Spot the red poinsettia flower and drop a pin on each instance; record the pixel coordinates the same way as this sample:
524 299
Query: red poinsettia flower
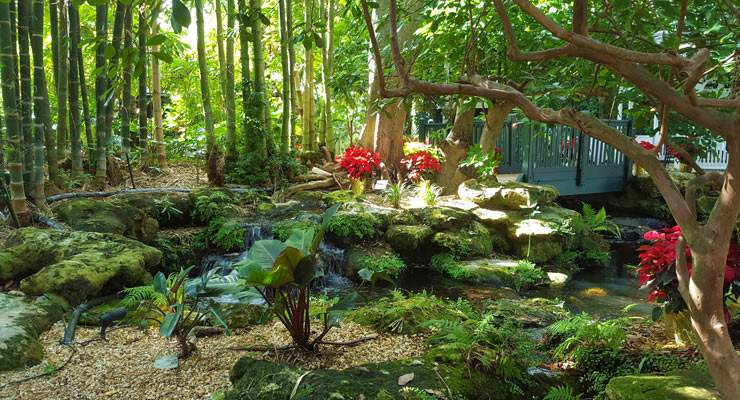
359 162
420 164
658 260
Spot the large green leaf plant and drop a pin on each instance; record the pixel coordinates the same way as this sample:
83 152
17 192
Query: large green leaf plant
283 273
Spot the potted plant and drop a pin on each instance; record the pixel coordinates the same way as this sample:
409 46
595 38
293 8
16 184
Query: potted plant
359 164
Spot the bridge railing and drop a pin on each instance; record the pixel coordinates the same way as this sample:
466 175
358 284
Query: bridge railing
554 154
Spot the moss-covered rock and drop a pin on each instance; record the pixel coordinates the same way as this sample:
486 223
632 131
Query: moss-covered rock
506 196
107 216
75 265
444 218
529 313
401 313
407 238
283 229
21 321
683 385
257 379
537 236
171 210
473 240
359 223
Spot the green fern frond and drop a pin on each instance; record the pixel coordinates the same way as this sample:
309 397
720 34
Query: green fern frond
561 392
135 296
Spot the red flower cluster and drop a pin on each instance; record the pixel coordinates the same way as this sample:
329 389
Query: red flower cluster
358 162
657 263
420 164
646 145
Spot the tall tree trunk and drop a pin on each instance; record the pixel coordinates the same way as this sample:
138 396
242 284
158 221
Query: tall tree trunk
291 68
383 129
125 110
157 106
258 59
74 90
285 129
309 130
220 49
248 131
215 176
24 58
90 142
101 85
12 117
54 31
14 46
44 137
229 94
455 148
110 100
62 80
141 66
495 118
327 71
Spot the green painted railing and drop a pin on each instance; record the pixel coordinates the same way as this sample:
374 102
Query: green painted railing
552 154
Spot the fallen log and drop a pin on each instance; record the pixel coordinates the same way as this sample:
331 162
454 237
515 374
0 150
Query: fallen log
322 184
81 195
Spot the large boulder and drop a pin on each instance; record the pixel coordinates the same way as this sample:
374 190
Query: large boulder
107 216
408 238
506 196
75 265
171 210
682 385
537 236
471 240
21 321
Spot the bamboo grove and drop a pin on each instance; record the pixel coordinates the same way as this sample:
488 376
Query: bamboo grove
82 85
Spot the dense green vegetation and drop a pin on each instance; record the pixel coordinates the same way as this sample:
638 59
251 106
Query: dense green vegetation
324 180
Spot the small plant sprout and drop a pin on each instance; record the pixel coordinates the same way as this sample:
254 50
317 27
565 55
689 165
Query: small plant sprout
395 192
427 193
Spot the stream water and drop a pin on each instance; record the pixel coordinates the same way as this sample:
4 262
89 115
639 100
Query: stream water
603 292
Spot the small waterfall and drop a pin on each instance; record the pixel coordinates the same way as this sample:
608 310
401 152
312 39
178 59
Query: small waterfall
331 261
256 231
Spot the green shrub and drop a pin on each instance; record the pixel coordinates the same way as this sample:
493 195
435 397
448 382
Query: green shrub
386 267
355 225
211 204
401 313
526 275
339 197
227 235
256 170
282 229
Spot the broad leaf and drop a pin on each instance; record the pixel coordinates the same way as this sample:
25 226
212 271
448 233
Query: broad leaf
215 309
156 39
336 312
170 321
160 283
266 252
375 276
302 239
277 278
180 16
305 271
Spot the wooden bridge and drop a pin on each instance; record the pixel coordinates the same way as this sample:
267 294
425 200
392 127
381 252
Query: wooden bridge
552 154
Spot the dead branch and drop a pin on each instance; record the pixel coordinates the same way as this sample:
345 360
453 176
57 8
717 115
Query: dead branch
350 342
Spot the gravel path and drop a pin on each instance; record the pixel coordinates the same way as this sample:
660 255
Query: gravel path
122 367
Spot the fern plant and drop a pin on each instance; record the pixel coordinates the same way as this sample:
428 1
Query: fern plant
579 333
487 344
596 221
561 392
